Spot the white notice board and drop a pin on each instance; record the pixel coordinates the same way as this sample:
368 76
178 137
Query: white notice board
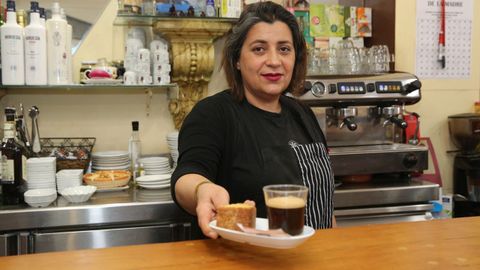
458 39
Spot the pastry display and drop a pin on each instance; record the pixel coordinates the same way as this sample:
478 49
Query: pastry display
229 215
107 179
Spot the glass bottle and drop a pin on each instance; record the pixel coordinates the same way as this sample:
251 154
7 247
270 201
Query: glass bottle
134 146
12 161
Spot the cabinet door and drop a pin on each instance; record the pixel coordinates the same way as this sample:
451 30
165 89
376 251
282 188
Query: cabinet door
102 238
8 244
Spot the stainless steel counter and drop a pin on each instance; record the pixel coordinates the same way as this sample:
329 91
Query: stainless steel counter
103 208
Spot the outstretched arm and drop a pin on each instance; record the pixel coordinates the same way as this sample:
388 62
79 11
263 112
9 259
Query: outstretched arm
200 197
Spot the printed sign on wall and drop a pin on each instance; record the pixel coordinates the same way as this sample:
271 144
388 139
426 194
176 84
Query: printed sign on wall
458 39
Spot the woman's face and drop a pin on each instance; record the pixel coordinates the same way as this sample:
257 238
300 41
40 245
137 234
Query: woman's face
266 61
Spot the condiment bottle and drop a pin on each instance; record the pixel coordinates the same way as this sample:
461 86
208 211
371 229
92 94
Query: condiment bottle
134 147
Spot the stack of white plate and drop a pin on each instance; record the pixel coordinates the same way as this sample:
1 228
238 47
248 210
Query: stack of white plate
155 181
41 173
153 195
172 141
155 165
69 178
40 197
110 160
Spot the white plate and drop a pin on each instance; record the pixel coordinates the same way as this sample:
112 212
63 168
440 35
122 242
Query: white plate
102 81
153 177
155 186
110 168
112 189
110 154
152 181
261 240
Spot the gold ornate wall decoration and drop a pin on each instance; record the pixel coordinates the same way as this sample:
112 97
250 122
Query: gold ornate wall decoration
192 58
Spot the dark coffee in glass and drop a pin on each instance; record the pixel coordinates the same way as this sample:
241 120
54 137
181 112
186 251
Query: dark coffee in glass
286 213
286 207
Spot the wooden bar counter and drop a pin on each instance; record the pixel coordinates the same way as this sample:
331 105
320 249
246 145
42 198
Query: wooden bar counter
437 244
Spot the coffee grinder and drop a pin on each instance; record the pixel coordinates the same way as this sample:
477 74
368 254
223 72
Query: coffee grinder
465 134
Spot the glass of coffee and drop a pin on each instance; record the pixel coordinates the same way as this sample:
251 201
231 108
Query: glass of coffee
286 207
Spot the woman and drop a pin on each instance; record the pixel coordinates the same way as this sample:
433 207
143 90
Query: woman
239 140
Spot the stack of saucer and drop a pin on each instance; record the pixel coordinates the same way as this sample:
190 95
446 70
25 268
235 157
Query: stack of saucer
157 181
155 165
172 141
153 195
110 160
41 173
69 178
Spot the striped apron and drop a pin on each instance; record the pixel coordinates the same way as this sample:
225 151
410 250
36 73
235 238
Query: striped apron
317 175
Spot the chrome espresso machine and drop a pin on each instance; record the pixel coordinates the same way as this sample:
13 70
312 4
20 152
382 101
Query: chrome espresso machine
378 175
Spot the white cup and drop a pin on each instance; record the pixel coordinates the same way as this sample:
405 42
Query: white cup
160 57
158 44
144 79
133 45
129 78
143 55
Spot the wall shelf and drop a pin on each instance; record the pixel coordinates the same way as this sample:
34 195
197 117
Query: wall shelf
149 20
171 89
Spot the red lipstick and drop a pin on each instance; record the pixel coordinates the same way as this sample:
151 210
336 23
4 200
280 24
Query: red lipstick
272 76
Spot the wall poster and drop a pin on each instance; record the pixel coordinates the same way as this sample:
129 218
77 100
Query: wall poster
458 39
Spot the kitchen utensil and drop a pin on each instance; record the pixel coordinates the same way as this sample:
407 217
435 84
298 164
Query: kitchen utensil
25 127
33 113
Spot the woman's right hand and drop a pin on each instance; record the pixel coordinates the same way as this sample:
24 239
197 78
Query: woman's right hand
209 197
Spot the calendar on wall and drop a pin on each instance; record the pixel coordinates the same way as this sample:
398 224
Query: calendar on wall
458 39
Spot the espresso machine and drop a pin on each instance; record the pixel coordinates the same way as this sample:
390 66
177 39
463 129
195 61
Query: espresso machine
377 174
464 132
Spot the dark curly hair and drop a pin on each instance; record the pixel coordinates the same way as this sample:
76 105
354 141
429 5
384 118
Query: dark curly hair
252 14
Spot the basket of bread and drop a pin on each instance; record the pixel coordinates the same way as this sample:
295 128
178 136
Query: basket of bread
107 179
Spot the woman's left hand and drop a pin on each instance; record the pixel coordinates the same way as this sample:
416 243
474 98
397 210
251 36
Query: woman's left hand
209 197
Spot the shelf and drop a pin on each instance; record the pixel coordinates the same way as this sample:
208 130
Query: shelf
172 89
149 20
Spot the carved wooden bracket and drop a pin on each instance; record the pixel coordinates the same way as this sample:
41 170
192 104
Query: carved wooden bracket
192 58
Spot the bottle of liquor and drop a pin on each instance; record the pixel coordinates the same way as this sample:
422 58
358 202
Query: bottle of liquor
134 147
12 160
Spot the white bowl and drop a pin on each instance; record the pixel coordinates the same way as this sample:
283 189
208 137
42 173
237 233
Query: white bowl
78 194
40 197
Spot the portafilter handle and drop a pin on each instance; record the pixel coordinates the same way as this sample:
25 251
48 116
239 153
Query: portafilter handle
347 118
350 123
391 114
399 122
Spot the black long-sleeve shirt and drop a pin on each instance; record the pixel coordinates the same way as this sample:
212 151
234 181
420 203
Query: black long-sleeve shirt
244 148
